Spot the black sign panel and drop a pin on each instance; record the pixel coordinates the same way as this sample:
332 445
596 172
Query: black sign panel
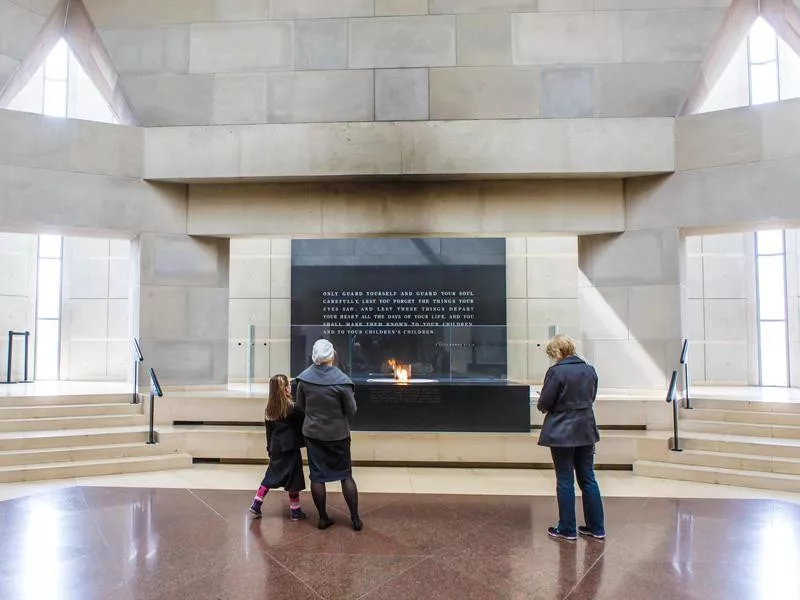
435 304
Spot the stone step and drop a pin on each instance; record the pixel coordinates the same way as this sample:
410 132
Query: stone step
58 423
725 460
741 444
69 410
745 406
737 477
79 453
66 400
24 440
742 416
730 428
94 468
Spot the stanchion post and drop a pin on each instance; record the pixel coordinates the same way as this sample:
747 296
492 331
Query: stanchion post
676 444
27 335
151 436
685 364
10 354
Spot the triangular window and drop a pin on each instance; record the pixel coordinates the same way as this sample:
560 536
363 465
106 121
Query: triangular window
61 88
764 69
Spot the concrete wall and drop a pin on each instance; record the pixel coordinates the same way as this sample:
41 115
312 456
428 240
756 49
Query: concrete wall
632 299
198 62
481 208
260 292
18 264
20 24
76 177
95 319
542 288
722 319
180 299
737 170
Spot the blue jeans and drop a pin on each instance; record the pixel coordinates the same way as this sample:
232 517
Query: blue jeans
579 461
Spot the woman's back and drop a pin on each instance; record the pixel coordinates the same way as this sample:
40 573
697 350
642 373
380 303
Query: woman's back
327 397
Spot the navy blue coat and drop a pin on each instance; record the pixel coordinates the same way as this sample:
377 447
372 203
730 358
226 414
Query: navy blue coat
568 393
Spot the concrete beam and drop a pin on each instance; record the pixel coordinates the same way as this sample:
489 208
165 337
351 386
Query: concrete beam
441 208
519 148
736 170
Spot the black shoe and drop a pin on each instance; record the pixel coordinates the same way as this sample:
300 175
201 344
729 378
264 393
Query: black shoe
583 530
357 524
555 533
324 523
255 509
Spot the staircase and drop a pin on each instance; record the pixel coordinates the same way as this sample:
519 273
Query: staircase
730 442
58 437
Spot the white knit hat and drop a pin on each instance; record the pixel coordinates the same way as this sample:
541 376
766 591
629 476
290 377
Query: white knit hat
323 352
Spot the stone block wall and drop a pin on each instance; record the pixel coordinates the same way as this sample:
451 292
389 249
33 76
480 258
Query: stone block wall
189 62
18 263
95 310
542 289
722 320
260 291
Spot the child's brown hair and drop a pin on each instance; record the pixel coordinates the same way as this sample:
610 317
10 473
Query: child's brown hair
280 398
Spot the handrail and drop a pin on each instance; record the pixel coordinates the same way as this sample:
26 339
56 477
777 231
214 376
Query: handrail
155 390
673 384
136 360
687 401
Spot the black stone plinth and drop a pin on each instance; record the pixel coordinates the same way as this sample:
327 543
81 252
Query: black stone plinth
482 407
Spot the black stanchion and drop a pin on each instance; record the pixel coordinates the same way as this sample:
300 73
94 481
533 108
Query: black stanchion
676 444
155 390
687 402
137 358
10 361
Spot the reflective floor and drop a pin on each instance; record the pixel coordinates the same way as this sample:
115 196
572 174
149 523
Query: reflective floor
139 543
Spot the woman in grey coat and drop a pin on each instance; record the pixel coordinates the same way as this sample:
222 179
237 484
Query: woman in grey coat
327 396
570 431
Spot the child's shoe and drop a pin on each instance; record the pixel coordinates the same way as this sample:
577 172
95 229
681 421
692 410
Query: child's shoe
255 509
298 515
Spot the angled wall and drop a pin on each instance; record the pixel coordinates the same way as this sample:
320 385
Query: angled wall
737 170
71 176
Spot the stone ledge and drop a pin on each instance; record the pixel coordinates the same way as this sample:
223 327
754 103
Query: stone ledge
452 149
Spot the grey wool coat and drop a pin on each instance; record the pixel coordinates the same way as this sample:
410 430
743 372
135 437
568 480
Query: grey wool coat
327 396
567 396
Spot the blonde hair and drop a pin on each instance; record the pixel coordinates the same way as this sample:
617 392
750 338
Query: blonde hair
280 398
560 347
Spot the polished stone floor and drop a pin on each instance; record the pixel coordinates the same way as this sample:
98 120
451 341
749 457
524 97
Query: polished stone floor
139 543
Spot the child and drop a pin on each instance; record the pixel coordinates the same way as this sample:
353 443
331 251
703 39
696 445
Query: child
284 425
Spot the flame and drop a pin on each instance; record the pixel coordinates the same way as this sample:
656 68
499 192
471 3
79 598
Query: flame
402 373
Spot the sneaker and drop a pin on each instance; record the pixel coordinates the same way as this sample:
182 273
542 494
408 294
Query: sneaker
298 515
255 509
555 533
583 530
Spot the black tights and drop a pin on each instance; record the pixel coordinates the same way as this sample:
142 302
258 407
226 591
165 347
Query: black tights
349 490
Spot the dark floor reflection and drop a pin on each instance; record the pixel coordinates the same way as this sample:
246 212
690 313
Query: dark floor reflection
141 544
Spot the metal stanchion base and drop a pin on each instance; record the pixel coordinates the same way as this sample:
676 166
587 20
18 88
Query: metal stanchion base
676 450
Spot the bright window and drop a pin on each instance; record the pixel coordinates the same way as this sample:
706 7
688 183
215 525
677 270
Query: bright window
48 307
764 69
61 88
772 326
